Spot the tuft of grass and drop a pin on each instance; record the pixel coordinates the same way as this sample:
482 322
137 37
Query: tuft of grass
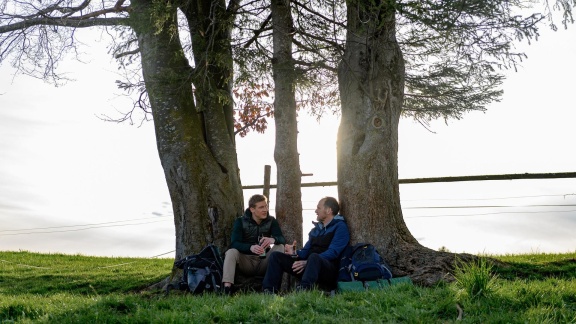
475 279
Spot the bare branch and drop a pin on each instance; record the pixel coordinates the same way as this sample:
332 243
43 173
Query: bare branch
316 13
259 31
254 121
119 55
66 22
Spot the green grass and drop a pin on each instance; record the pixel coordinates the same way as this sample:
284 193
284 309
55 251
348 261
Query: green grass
474 279
56 288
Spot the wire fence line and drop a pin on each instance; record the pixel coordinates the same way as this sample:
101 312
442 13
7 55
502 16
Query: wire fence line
407 206
24 265
103 267
83 227
89 224
427 202
474 203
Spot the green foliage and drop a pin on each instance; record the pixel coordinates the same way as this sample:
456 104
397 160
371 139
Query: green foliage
162 16
452 50
474 279
58 288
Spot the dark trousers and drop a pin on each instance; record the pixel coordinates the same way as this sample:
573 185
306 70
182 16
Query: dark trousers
279 263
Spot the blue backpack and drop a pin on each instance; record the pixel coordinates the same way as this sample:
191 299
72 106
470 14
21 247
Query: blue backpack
362 262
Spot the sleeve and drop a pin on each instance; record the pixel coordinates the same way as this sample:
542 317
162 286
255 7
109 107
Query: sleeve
339 242
305 251
236 238
276 232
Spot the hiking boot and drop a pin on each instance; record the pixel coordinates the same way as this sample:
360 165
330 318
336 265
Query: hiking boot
228 290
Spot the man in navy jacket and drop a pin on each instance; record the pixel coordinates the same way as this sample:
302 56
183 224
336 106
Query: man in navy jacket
320 255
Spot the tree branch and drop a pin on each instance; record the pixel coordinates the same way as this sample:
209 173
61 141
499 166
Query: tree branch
259 31
334 44
253 122
132 52
75 22
325 18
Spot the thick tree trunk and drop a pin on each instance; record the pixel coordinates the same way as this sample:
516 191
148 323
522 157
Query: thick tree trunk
371 81
289 176
196 148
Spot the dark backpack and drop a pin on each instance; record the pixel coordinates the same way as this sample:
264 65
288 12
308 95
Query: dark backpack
202 272
362 262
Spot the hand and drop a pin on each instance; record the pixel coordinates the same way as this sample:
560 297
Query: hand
289 249
298 266
265 242
257 249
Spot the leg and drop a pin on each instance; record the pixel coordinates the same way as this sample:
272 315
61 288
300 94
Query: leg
248 264
229 271
278 263
315 266
261 271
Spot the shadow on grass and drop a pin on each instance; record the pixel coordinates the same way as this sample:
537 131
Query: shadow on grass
24 273
563 269
80 284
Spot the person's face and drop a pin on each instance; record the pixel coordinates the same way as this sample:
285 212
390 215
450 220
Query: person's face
260 211
322 212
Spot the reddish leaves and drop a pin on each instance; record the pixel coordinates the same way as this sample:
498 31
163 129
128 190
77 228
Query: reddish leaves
254 104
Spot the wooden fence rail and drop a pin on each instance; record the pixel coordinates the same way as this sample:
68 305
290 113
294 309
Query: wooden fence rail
513 176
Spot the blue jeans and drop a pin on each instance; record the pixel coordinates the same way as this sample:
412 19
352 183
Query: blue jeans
279 263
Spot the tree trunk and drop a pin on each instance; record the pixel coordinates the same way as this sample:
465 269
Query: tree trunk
371 81
195 144
289 176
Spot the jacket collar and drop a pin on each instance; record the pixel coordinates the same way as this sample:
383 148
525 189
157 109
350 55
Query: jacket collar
248 216
336 219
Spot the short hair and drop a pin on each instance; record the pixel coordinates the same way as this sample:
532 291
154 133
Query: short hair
256 199
332 203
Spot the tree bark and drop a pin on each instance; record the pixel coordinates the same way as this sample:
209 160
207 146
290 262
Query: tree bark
371 81
195 144
289 176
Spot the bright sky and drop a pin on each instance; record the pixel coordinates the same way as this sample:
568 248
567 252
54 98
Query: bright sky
72 183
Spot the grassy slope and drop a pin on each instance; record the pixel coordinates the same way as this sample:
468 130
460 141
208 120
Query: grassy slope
59 288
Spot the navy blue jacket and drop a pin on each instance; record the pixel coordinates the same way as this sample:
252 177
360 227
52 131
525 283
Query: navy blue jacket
328 241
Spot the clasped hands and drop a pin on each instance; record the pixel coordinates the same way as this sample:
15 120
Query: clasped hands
264 243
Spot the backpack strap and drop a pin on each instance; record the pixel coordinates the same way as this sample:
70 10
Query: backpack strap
350 273
215 286
217 256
